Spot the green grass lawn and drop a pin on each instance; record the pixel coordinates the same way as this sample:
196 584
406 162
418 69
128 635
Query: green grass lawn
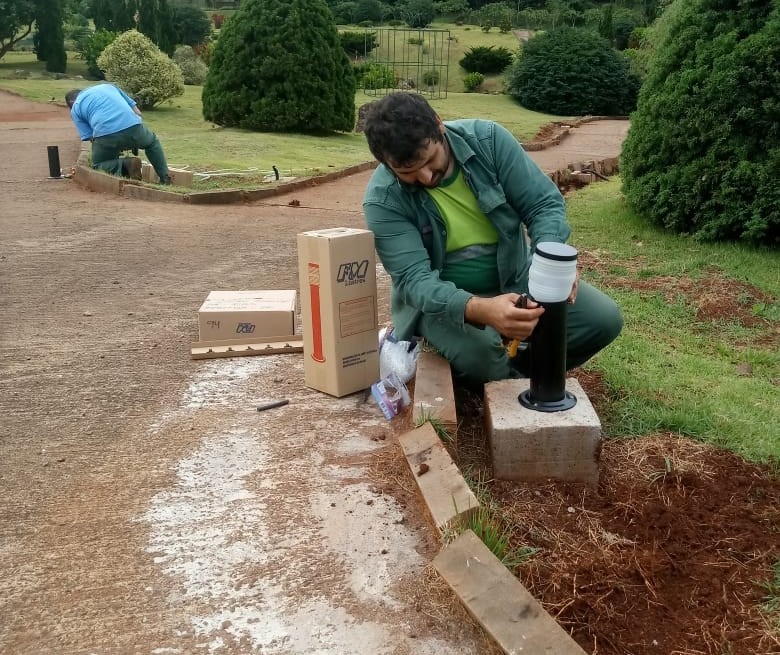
700 352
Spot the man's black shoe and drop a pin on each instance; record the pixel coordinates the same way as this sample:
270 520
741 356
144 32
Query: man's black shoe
132 168
166 181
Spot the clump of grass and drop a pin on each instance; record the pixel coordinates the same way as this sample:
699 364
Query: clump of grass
436 423
488 524
492 527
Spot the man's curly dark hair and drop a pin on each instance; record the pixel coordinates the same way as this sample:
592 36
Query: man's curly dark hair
399 125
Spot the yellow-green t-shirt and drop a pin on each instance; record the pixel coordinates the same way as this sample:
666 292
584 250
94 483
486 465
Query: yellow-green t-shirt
471 237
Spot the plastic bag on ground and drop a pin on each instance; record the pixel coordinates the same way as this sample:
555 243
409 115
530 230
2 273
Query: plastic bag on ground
399 357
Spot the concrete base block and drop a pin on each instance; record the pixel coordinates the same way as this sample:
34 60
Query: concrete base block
530 445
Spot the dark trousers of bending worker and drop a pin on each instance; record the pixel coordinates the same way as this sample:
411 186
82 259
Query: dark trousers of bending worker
106 150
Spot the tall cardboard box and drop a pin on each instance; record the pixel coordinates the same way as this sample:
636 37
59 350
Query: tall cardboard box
337 276
247 314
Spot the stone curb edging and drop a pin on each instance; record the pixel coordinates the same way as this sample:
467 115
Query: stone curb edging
99 181
498 601
575 175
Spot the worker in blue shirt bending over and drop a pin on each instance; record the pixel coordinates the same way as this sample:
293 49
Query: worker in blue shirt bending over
107 116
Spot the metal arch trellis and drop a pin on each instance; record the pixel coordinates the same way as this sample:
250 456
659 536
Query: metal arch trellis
418 58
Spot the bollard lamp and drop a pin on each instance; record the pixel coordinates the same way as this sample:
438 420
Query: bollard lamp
550 279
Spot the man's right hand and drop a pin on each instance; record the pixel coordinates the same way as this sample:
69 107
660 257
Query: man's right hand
501 314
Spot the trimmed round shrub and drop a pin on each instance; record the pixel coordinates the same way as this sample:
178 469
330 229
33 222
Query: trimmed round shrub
278 66
489 60
570 72
370 11
473 81
146 73
431 77
703 153
193 69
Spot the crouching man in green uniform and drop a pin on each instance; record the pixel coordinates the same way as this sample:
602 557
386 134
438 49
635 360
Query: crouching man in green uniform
456 209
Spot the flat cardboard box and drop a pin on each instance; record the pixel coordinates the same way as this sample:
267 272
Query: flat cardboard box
247 315
337 276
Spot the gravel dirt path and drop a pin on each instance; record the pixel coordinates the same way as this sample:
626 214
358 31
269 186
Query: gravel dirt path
146 506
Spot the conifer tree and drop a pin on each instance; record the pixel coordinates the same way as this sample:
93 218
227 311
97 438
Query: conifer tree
703 152
49 38
279 66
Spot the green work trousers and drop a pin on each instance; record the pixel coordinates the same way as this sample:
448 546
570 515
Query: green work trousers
106 150
478 355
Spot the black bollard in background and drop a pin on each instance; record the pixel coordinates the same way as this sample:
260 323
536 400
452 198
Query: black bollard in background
55 171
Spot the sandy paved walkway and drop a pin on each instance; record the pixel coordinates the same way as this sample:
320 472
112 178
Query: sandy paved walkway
147 507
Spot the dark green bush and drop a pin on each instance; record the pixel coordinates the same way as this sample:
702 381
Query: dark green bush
624 22
278 66
569 72
488 60
431 77
191 24
369 11
418 13
89 50
703 153
345 13
358 44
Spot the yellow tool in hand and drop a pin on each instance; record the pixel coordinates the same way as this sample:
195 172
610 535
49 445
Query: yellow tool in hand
513 346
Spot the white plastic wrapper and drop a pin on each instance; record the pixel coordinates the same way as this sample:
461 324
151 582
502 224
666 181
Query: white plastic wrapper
398 357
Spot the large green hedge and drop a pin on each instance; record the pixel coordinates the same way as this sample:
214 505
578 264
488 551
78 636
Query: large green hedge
572 72
703 152
278 66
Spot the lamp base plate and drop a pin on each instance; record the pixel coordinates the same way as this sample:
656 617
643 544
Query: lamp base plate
567 402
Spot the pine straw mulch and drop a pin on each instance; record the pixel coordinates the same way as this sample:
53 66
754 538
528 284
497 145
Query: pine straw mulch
666 556
671 552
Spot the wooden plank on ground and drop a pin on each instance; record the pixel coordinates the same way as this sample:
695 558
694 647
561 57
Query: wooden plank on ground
244 348
441 484
433 393
499 601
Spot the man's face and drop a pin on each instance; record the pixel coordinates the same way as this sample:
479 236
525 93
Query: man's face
433 163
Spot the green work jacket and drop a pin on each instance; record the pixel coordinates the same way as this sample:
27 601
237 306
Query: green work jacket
411 236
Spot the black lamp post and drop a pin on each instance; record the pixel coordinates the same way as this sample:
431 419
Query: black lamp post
550 279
